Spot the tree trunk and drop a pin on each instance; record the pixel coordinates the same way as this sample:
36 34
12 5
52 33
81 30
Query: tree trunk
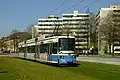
109 48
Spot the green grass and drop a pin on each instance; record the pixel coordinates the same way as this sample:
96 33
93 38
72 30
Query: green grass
18 69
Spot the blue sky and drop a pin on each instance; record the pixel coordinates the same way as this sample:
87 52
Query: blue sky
19 14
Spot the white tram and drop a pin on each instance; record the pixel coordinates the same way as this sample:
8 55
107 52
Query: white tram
56 49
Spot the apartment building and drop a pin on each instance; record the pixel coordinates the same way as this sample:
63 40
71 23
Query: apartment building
78 26
100 19
46 26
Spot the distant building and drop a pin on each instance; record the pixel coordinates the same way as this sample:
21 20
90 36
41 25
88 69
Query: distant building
102 13
46 26
11 41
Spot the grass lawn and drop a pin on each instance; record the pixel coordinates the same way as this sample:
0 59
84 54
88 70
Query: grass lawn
18 69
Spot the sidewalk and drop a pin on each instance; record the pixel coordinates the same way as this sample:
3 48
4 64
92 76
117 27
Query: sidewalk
102 56
98 59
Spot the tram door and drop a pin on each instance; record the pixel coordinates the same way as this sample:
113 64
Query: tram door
43 52
50 51
38 51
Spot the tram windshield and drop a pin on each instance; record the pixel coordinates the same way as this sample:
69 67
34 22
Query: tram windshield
66 44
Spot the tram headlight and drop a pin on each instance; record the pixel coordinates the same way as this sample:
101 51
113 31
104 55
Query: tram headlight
74 56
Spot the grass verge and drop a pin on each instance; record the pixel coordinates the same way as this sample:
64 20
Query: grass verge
18 69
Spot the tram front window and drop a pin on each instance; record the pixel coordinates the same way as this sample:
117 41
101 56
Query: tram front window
66 44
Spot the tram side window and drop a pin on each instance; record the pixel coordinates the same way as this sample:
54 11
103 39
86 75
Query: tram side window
54 48
24 50
50 48
21 49
28 49
43 48
32 49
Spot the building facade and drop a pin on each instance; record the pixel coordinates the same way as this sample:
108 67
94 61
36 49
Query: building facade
77 24
46 26
100 19
11 42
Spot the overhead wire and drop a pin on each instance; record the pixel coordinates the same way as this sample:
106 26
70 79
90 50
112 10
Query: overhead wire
79 9
74 5
87 6
56 27
117 3
56 8
61 5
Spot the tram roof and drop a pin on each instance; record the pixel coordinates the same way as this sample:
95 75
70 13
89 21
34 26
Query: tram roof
53 37
44 39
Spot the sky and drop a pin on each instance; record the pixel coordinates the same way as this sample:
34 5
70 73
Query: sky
19 14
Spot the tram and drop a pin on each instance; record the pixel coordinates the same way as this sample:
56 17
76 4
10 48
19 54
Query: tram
55 49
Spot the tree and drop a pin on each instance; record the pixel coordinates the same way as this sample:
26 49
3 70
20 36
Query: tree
3 44
14 31
31 30
16 36
94 45
92 29
109 29
93 32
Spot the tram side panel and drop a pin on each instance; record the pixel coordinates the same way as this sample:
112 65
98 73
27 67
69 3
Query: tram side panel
21 55
21 52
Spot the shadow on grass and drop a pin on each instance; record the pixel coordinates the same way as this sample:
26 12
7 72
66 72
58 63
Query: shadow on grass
3 72
52 64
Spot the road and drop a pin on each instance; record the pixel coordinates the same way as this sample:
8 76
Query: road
115 61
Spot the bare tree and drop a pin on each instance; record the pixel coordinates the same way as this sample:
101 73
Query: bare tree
14 31
110 29
2 44
93 33
31 30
